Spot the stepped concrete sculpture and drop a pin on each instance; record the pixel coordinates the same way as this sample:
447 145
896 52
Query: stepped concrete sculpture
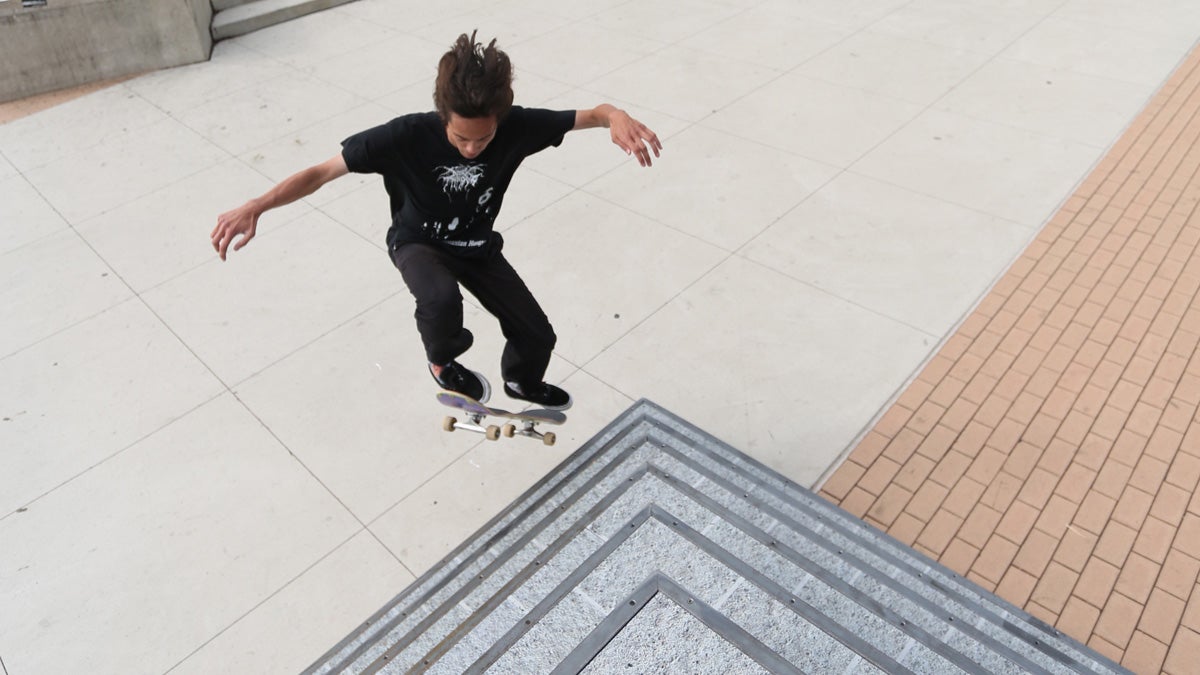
658 548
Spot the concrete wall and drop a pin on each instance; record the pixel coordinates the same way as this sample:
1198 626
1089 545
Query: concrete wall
71 42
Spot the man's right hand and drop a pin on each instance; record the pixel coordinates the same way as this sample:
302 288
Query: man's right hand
242 221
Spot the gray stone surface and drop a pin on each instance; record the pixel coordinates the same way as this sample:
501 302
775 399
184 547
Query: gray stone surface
655 539
71 42
665 638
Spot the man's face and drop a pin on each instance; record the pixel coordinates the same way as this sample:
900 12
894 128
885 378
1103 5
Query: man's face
470 135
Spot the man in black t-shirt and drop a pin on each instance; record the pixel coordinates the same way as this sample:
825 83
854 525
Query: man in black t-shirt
446 173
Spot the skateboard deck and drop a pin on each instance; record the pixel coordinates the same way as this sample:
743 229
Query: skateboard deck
476 412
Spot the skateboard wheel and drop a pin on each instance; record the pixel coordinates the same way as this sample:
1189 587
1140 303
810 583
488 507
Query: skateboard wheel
549 438
493 432
449 423
508 430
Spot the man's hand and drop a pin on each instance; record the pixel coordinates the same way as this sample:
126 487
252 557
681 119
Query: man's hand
242 221
627 133
633 137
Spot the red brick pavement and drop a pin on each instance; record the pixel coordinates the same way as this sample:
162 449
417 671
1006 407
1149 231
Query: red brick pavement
1050 451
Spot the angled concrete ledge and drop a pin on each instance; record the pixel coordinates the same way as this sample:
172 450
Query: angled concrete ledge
66 43
654 541
238 17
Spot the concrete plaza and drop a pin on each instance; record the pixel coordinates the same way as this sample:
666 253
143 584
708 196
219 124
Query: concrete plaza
224 467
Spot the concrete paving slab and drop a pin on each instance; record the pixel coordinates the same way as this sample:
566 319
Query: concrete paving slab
824 122
304 147
351 582
231 68
241 122
381 67
582 158
27 216
1038 98
717 187
76 285
529 193
311 40
741 331
1177 18
509 24
855 14
66 129
120 569
364 210
152 240
1096 49
662 264
878 246
1013 174
370 439
983 27
446 509
551 54
697 83
122 169
667 22
745 353
898 67
417 96
89 392
772 38
7 170
312 271
409 16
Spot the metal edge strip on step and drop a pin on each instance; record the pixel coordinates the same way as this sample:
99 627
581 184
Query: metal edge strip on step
844 587
961 588
818 619
566 537
621 426
659 584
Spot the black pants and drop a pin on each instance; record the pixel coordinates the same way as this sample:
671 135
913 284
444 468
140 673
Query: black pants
433 277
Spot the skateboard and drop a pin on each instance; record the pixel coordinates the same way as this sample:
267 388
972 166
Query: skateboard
476 412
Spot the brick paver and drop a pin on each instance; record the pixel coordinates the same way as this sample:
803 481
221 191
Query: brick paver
1050 450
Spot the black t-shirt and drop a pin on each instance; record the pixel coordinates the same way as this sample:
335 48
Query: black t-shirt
439 197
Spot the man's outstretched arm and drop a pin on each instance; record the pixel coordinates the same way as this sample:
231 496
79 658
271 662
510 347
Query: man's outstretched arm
629 134
243 220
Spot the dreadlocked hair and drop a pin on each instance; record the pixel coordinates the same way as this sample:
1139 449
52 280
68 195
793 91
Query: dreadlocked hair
473 80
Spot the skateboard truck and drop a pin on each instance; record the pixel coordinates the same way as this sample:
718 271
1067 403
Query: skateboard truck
523 423
475 423
527 429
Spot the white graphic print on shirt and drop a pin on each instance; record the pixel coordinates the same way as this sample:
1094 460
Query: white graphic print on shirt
459 179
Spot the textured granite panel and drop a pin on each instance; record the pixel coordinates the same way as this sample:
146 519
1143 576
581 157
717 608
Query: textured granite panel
549 641
473 645
654 547
653 500
520 548
665 638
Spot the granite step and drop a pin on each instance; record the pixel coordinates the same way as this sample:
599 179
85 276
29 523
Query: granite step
655 518
232 18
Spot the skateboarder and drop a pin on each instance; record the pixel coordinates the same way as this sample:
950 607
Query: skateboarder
446 173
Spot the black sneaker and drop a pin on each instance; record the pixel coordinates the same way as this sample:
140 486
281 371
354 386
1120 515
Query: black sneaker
545 395
458 379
